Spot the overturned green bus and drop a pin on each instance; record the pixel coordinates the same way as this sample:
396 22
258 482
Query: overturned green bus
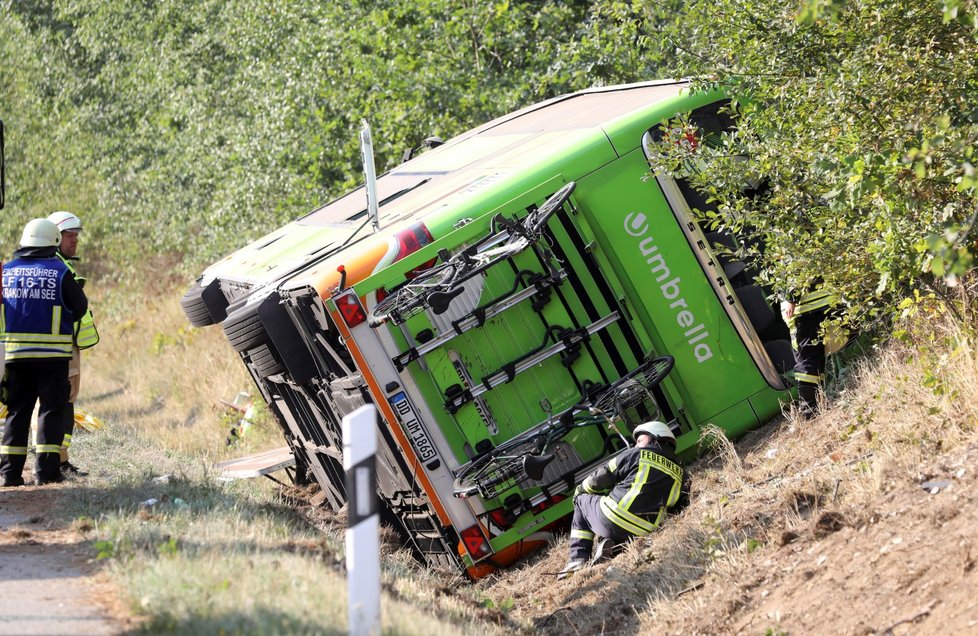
531 294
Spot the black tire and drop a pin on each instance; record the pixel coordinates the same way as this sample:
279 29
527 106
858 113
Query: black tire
244 329
537 220
265 361
194 307
204 304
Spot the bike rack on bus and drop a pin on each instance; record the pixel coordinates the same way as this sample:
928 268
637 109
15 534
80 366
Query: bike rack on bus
536 283
569 339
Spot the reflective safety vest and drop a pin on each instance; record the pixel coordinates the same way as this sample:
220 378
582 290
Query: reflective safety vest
646 485
33 319
815 300
86 335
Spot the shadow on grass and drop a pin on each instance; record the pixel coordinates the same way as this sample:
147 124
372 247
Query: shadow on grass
104 395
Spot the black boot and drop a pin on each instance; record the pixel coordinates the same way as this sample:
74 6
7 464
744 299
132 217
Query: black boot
69 470
13 480
808 396
47 468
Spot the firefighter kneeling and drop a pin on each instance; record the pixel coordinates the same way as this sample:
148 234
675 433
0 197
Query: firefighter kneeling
642 485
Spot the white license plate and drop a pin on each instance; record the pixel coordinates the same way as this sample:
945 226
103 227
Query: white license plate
409 420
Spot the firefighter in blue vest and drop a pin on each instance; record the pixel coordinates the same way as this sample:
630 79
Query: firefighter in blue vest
808 312
627 497
41 302
86 336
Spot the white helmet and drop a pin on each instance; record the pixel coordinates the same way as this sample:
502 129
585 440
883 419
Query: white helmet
655 429
40 233
66 221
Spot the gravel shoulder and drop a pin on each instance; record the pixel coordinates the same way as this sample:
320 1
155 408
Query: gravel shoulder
49 580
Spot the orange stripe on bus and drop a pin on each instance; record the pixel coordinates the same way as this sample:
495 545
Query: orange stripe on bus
383 405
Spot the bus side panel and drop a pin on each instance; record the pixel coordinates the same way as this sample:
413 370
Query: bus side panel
769 403
666 291
735 421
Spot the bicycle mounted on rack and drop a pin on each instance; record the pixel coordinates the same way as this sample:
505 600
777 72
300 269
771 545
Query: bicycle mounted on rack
524 458
436 287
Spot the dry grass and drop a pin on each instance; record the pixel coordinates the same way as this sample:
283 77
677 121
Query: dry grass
239 558
153 371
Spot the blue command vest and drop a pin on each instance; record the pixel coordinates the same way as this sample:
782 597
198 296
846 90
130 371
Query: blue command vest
33 319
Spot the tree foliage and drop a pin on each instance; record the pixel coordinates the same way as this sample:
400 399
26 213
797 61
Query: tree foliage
859 124
190 128
193 127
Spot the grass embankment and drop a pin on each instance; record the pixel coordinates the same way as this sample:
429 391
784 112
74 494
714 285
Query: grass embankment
240 558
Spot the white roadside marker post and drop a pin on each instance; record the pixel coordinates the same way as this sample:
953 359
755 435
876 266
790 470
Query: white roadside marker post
363 521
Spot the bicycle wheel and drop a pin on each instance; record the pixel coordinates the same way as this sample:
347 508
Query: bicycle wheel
535 221
502 467
411 297
633 388
485 475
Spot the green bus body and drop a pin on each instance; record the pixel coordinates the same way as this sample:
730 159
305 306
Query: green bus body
638 273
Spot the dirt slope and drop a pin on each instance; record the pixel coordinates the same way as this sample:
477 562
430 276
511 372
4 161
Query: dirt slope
784 538
903 565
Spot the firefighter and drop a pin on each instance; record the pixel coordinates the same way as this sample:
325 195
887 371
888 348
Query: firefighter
86 336
41 302
808 313
641 484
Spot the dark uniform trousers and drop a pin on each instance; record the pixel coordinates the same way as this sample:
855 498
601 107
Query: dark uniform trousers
44 379
809 356
588 522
